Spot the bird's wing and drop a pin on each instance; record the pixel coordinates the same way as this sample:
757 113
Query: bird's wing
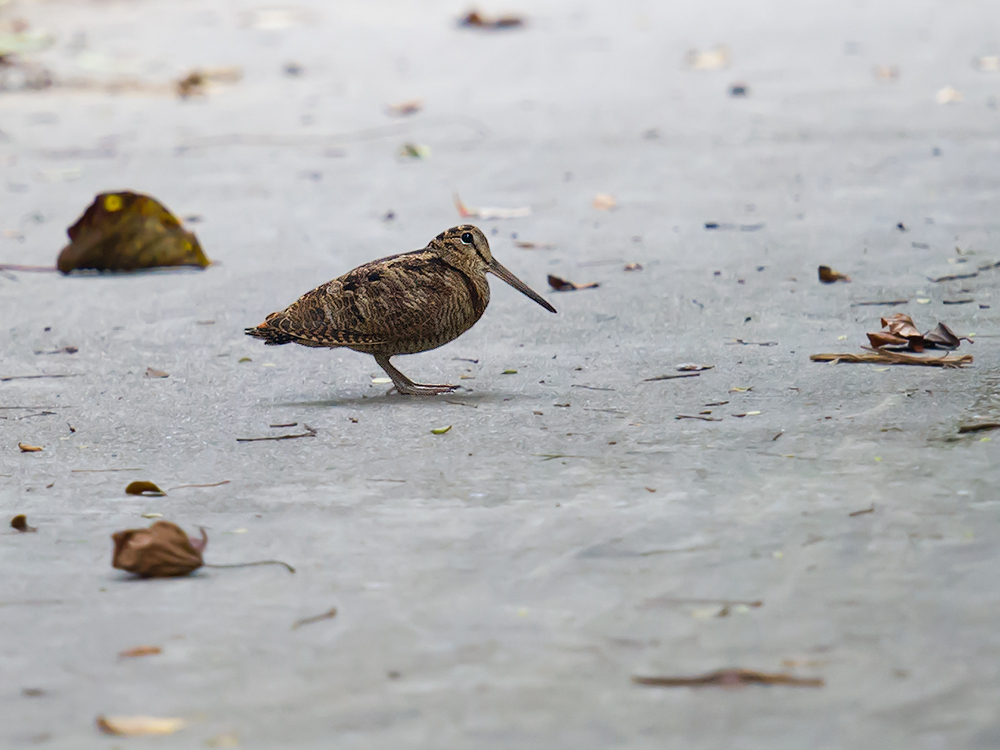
401 298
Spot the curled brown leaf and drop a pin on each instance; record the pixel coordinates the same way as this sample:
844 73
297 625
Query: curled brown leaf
126 231
161 551
561 285
827 275
144 488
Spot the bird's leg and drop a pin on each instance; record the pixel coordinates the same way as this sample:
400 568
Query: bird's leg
406 386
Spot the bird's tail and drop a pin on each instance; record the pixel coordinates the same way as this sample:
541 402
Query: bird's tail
272 336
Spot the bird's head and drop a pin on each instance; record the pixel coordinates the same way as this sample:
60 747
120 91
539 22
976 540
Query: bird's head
465 246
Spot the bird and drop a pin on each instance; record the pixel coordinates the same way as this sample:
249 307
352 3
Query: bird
403 304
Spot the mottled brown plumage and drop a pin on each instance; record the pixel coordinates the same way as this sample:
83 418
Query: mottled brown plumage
402 304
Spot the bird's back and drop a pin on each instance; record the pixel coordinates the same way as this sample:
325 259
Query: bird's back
397 305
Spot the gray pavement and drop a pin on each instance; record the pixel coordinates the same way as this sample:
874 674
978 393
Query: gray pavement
498 585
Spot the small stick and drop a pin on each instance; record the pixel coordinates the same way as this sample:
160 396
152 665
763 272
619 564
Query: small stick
27 269
98 471
250 564
186 486
315 618
862 512
978 427
310 433
672 376
36 377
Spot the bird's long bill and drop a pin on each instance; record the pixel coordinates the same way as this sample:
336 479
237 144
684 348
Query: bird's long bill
497 270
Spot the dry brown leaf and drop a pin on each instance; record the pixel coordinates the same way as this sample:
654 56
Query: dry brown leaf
827 275
196 82
126 231
405 109
144 488
134 726
604 202
131 653
730 678
561 285
712 59
161 551
25 448
942 337
20 523
882 338
474 19
488 213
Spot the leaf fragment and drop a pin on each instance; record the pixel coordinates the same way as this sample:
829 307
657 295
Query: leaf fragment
134 726
126 231
827 275
144 488
604 202
20 523
132 653
152 372
474 19
440 430
25 448
405 109
488 213
561 285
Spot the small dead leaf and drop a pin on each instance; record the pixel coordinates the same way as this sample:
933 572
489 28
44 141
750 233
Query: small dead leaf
942 337
886 72
161 551
152 372
691 367
716 58
534 245
127 231
131 653
415 151
144 488
25 448
405 109
226 739
134 726
604 202
987 63
827 275
633 267
487 214
561 285
440 430
948 95
197 81
730 678
20 523
474 19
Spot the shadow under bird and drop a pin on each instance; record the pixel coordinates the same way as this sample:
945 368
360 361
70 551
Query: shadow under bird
402 304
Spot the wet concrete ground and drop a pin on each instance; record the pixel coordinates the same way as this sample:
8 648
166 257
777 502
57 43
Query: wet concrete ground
498 585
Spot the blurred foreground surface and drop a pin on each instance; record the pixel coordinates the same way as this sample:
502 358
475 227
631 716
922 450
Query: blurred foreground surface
498 585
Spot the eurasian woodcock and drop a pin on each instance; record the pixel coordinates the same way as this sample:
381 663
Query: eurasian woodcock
402 304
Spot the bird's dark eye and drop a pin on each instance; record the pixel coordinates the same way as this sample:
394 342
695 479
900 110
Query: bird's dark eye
467 238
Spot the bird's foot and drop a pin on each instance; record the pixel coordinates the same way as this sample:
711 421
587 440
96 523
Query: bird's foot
423 389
